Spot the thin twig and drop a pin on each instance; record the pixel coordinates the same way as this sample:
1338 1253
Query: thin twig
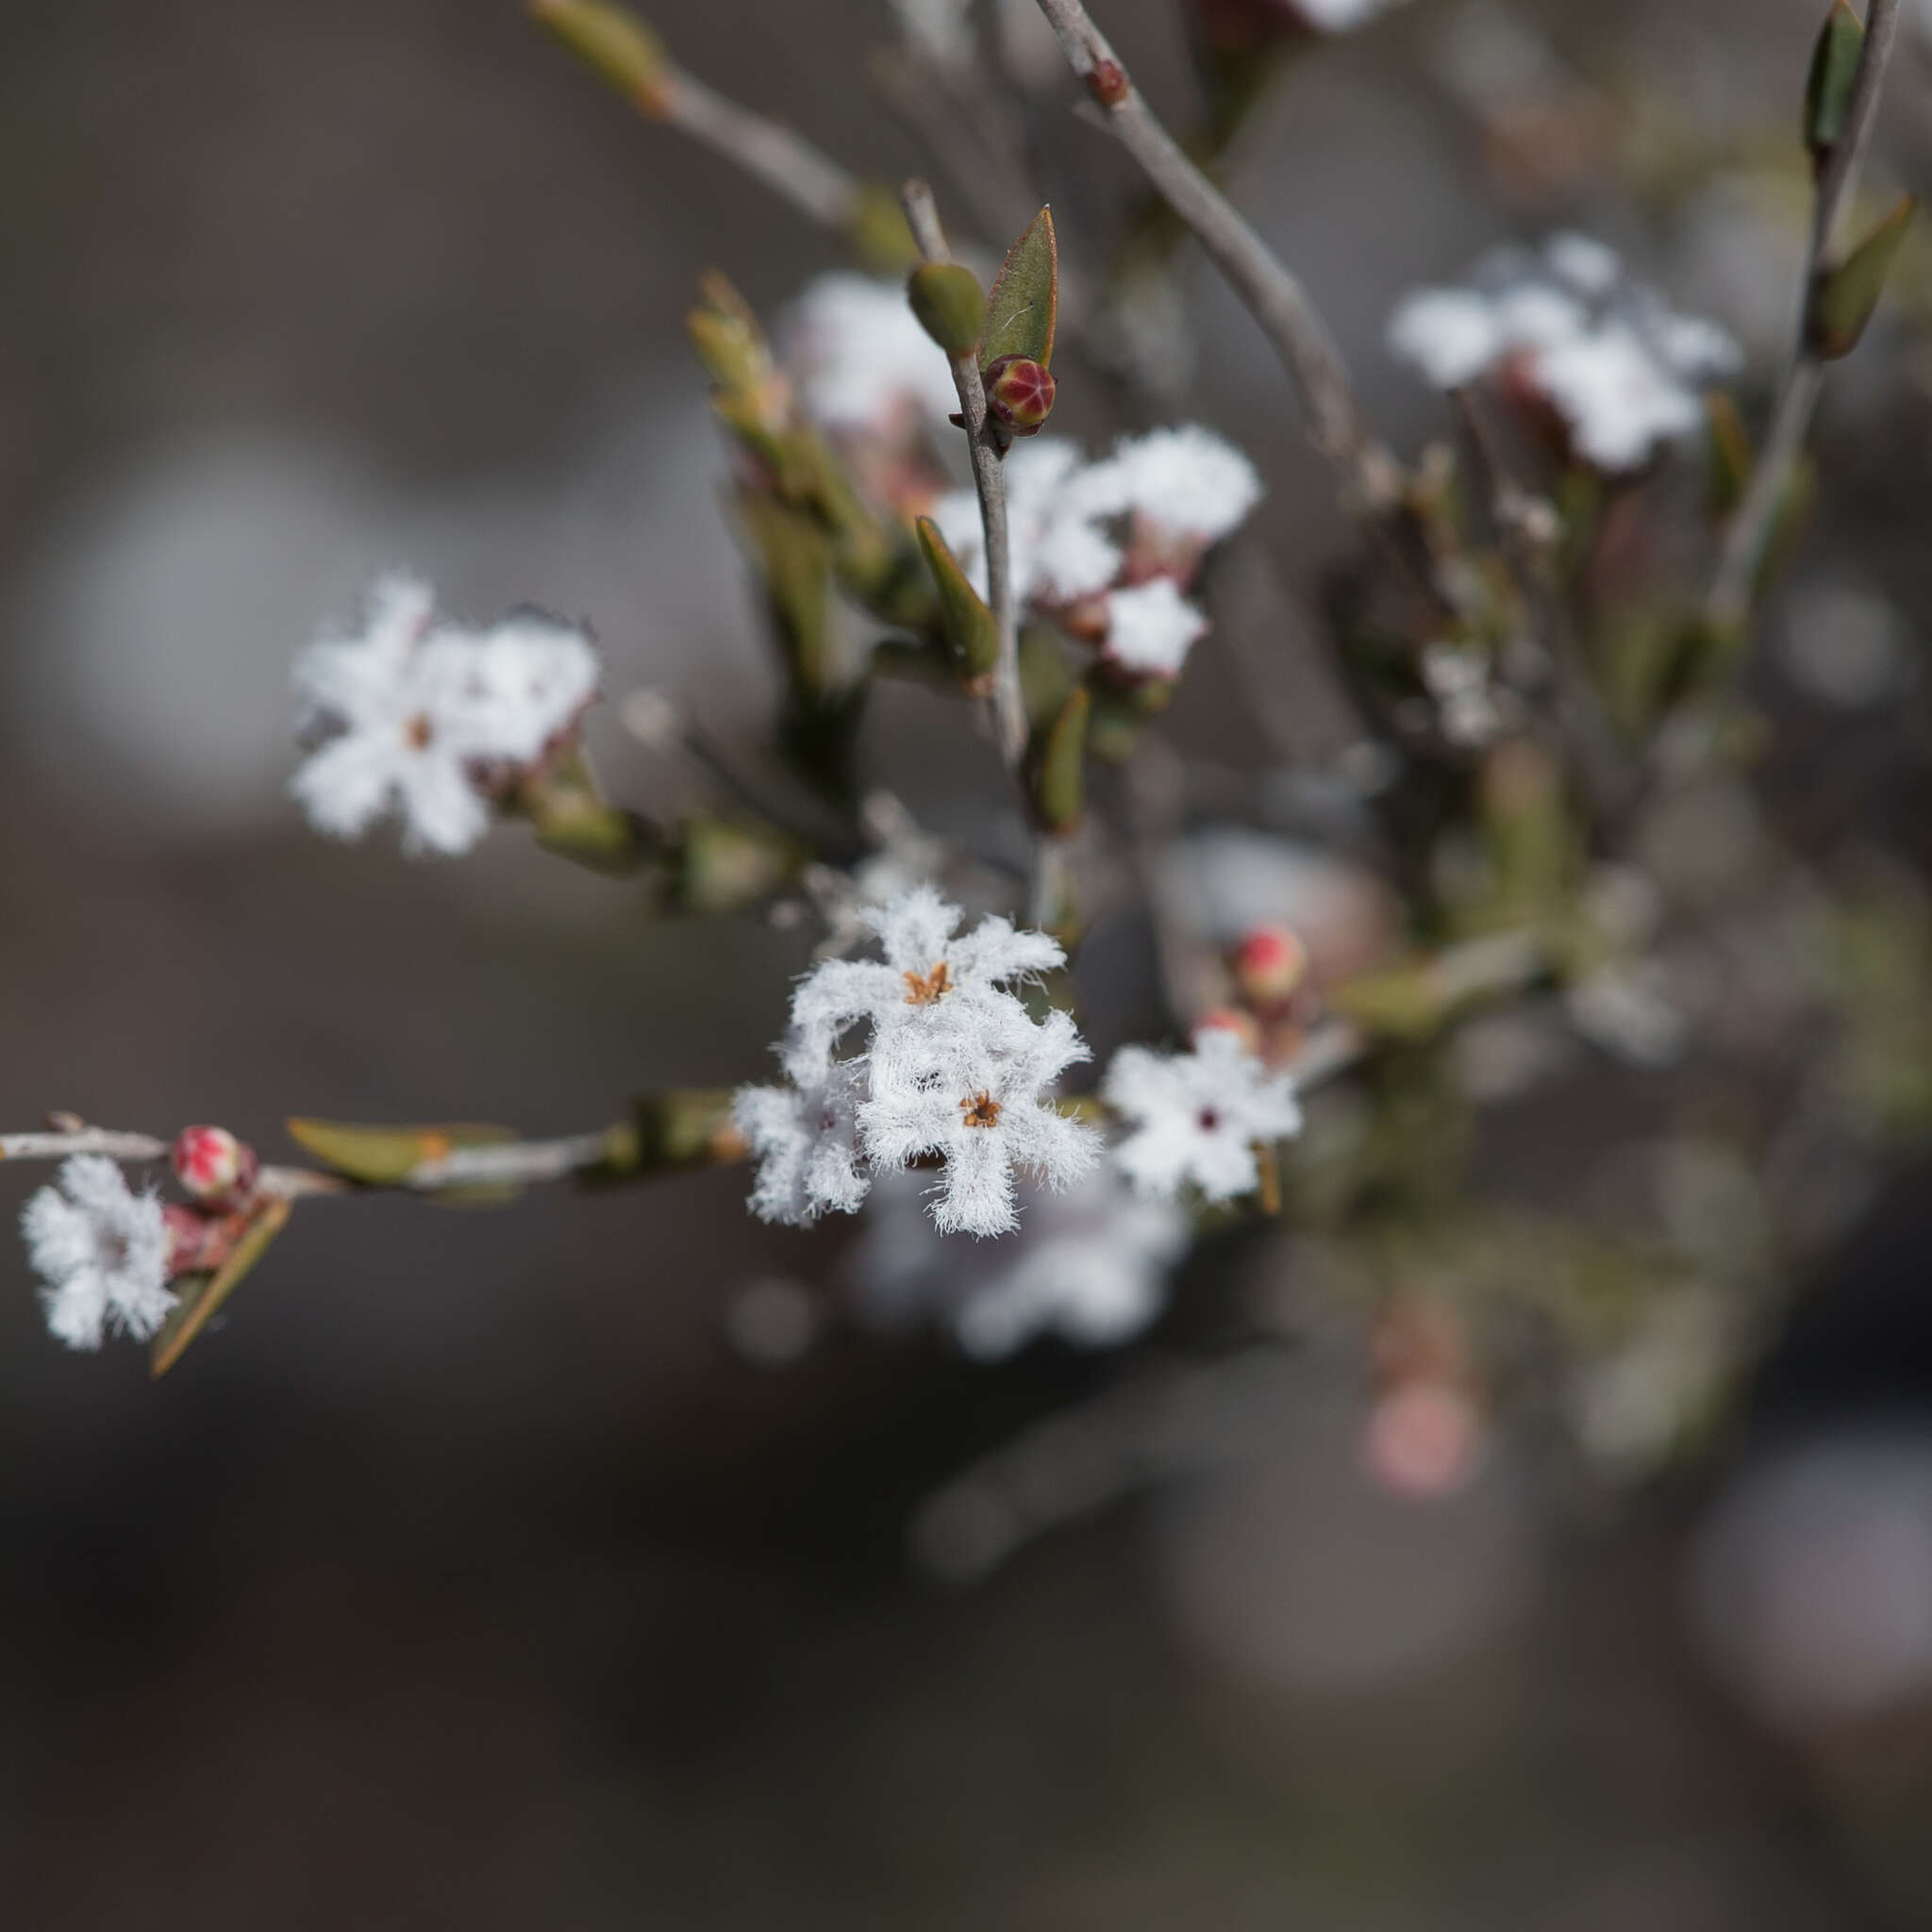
514 1162
1728 604
767 150
1272 295
57 1146
990 481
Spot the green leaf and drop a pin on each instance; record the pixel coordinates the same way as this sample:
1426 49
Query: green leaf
1730 453
726 864
383 1157
1844 299
969 623
946 298
1025 299
614 43
1834 62
685 1128
202 1295
1059 792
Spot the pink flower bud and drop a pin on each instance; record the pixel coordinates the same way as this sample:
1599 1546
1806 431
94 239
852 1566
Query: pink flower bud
197 1241
1019 393
1269 965
213 1166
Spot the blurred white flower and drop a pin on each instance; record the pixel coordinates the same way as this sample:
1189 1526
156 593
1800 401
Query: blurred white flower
102 1251
861 358
1338 16
1054 514
1625 1009
1091 1265
1471 711
1187 482
1610 356
1196 1116
415 714
1151 628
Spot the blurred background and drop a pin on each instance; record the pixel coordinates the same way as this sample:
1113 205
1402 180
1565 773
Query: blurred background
491 1569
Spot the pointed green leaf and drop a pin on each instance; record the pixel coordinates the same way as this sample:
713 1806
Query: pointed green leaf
1835 59
614 43
946 298
1844 299
1025 299
382 1157
1730 453
726 864
202 1295
1059 792
969 623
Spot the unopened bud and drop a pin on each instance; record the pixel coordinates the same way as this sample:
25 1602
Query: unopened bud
1269 965
213 1166
198 1242
949 302
1019 393
1231 1020
1107 82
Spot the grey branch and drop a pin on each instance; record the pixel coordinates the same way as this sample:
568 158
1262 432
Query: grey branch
1272 295
778 155
513 1162
59 1146
990 482
1728 601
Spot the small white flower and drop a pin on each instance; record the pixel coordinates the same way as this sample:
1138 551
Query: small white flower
1338 16
103 1252
976 1097
1590 266
928 975
1471 711
1196 1116
417 712
1091 1265
1619 400
1056 509
1449 336
1533 318
1151 628
863 359
805 1141
1187 482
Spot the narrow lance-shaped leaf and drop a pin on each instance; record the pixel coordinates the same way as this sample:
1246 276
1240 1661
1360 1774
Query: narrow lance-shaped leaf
1059 792
1024 303
384 1156
202 1295
969 624
1730 453
1844 299
1835 59
614 43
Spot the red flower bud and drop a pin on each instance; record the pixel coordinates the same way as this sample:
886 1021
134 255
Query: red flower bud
213 1166
1019 393
1231 1020
1269 965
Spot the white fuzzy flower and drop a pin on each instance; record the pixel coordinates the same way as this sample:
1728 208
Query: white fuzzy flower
927 976
975 1095
1196 1116
1055 511
1618 398
102 1251
1533 318
1090 1264
1187 482
1338 16
861 357
1448 336
1151 628
417 712
805 1141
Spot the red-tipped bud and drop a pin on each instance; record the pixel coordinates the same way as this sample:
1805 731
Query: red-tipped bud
1231 1020
213 1166
1269 965
1019 393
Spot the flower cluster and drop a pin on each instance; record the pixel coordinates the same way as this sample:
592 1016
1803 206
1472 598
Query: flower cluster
1106 549
1565 329
431 720
952 1069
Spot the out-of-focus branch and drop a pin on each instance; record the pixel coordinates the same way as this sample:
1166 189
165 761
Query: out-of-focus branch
1272 294
990 482
58 1144
1728 604
519 1163
630 57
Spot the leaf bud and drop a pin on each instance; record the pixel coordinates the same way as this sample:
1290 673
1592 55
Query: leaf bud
949 302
